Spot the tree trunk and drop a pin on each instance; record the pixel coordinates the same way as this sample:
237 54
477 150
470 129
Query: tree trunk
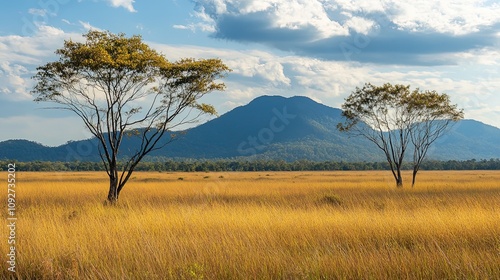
113 190
399 179
415 170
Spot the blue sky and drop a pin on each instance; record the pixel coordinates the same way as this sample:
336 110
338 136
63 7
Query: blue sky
322 49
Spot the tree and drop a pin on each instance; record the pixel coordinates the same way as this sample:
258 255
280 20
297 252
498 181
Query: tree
121 88
433 113
393 117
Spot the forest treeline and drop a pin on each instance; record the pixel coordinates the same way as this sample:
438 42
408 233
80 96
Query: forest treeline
257 165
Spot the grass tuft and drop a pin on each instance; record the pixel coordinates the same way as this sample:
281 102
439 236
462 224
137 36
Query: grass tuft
331 199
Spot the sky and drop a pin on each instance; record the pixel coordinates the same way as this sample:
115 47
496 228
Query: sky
322 49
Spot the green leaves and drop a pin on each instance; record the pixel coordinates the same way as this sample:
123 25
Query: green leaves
199 75
433 104
110 51
206 108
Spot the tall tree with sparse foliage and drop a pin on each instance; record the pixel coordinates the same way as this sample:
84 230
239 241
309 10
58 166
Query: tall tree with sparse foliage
121 88
433 115
395 118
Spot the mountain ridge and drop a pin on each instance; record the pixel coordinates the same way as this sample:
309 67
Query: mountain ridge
273 127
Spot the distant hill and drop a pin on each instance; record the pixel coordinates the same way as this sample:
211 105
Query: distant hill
467 139
273 127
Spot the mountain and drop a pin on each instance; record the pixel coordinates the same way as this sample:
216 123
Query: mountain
467 139
23 150
273 127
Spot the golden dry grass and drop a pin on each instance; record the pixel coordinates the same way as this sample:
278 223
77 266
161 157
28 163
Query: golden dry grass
265 225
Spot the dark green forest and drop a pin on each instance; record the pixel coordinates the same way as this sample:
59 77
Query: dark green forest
256 165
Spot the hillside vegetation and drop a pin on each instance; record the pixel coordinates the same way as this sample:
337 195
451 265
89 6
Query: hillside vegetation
259 225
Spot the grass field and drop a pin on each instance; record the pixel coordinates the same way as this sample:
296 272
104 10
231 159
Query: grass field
265 225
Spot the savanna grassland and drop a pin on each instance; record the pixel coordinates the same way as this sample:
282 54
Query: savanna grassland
263 225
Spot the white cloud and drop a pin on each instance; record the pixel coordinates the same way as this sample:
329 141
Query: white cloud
360 25
273 72
205 23
88 26
31 127
265 69
179 26
255 6
14 75
50 31
299 14
356 6
381 31
220 6
447 16
28 49
127 4
283 14
457 17
250 64
483 56
37 12
238 95
20 55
